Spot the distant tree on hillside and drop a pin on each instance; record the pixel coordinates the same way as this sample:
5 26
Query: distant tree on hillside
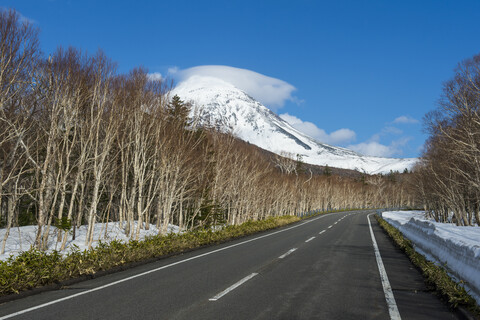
327 171
178 111
299 166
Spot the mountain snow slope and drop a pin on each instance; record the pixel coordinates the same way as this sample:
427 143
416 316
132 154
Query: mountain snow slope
220 104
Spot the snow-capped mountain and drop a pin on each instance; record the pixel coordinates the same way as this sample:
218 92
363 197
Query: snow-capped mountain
219 103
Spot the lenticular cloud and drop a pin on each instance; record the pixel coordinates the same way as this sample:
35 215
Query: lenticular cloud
271 92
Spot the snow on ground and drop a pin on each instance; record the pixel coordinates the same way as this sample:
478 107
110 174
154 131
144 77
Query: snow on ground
457 248
22 238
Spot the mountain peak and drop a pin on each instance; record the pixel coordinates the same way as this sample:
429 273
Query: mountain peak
219 103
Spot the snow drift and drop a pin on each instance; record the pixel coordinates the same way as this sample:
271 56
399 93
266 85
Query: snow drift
22 238
456 248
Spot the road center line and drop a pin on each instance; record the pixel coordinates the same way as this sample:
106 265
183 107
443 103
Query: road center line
11 315
233 287
387 289
329 227
287 253
308 240
321 231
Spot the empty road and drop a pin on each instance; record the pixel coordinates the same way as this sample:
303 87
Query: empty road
326 267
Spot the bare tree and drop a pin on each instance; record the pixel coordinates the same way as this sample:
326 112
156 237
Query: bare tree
449 177
19 56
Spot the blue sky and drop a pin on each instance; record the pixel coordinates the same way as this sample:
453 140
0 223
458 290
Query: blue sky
359 74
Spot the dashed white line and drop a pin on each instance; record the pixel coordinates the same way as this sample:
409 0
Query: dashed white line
321 231
11 315
329 227
308 240
387 289
287 253
233 287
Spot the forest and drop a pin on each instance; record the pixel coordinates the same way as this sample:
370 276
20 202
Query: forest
81 144
448 175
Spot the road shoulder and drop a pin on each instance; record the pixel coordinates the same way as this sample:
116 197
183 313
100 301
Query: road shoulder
414 299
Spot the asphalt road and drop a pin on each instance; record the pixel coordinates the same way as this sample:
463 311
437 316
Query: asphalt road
321 268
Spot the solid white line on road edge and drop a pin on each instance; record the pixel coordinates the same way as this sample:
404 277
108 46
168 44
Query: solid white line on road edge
8 316
308 240
287 253
387 289
321 231
233 287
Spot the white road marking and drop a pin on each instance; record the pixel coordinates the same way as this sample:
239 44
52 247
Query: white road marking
308 240
321 231
387 289
329 227
151 271
287 253
233 287
8 316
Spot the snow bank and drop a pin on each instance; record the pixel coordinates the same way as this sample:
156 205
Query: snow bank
456 248
22 238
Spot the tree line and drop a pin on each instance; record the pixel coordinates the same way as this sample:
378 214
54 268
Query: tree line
82 144
448 176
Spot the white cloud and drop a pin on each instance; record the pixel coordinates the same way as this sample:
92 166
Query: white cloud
391 130
155 76
337 137
374 148
21 17
172 70
271 92
420 149
342 136
405 120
